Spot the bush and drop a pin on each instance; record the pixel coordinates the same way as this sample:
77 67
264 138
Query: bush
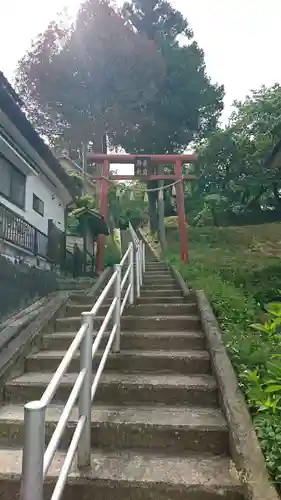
111 252
254 346
263 283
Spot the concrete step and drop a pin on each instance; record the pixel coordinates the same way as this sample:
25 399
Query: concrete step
157 270
131 475
158 273
155 285
175 299
86 299
137 323
165 280
159 292
136 340
156 265
128 361
115 387
169 429
149 309
82 299
76 308
163 309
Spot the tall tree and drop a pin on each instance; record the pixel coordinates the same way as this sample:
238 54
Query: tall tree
233 160
90 77
187 105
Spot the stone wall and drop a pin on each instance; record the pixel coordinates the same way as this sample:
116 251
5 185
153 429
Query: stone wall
21 284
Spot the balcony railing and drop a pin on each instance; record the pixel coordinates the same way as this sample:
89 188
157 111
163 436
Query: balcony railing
16 230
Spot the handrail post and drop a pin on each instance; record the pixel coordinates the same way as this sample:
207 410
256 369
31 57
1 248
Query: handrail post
143 257
131 279
141 270
117 310
137 272
33 451
85 402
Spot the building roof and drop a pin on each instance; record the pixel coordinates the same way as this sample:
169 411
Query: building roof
97 222
11 104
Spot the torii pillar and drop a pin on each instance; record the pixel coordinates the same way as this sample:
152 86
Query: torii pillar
176 160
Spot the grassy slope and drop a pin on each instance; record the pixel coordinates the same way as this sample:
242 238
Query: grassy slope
245 256
239 270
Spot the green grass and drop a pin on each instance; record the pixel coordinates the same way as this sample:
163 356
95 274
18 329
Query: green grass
240 271
248 257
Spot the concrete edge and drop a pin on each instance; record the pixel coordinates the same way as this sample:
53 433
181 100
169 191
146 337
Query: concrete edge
151 248
16 323
13 355
178 277
22 312
95 289
244 444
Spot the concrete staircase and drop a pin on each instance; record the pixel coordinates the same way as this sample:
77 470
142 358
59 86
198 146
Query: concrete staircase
157 429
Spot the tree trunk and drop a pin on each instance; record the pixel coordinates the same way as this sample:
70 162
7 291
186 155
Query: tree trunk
215 217
276 195
255 202
100 146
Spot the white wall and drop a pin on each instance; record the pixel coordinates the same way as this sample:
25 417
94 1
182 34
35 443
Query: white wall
53 206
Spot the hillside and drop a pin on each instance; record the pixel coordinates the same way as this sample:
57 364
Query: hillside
245 256
239 270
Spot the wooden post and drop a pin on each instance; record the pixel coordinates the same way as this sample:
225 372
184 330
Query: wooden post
104 212
181 213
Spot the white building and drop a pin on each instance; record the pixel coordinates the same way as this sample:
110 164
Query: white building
34 188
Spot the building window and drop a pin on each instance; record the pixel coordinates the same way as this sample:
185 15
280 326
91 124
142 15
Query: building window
12 183
38 205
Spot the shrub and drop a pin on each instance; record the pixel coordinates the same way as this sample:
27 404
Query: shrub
111 252
253 342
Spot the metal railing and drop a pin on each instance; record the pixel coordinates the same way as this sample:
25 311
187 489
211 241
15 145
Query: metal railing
15 229
36 459
140 258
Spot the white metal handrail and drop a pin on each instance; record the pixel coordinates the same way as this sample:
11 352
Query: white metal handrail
36 459
140 258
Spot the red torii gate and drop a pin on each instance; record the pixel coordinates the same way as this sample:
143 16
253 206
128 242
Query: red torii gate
176 160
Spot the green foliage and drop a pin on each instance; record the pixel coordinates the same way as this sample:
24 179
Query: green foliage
252 334
253 353
232 162
187 105
72 224
131 210
78 178
79 83
75 225
111 253
262 282
122 208
248 257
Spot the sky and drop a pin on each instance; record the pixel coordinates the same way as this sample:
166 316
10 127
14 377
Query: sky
240 38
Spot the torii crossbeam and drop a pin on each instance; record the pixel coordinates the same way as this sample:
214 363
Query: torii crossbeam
144 172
